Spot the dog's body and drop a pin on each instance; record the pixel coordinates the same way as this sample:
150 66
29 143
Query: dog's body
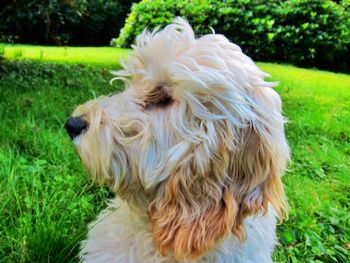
195 148
122 235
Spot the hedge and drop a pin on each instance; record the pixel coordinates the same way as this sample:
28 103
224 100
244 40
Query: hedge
308 33
57 22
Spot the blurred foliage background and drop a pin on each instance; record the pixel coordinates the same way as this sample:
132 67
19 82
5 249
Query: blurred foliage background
307 33
62 22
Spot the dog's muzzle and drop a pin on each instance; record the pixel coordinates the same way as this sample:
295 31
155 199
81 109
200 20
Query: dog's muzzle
75 126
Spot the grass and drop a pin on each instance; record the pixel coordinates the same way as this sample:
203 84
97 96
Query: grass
317 105
46 198
100 56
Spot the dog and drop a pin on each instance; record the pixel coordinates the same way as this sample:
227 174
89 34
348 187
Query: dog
194 149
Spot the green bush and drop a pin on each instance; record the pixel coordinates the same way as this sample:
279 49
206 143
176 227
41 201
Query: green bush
73 22
306 33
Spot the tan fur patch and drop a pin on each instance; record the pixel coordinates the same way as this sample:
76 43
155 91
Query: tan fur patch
189 238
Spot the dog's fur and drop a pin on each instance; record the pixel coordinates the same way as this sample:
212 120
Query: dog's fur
195 150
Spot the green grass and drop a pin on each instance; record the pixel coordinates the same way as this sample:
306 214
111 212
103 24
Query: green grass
317 105
46 198
100 56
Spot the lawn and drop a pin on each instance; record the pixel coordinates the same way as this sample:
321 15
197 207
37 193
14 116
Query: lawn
99 56
46 198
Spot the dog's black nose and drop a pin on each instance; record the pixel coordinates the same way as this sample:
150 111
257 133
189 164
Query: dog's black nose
75 126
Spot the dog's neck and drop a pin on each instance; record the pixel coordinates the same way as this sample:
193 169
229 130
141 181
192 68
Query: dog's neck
122 234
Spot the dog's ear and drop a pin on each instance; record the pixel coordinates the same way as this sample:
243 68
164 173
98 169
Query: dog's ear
261 157
214 186
196 207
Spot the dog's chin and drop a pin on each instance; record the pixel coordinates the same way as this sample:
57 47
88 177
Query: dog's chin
77 140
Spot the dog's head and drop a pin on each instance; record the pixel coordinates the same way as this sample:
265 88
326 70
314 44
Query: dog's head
196 140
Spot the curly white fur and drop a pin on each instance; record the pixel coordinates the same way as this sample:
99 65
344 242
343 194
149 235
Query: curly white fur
121 235
194 148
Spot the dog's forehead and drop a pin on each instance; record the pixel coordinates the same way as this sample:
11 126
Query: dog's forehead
120 103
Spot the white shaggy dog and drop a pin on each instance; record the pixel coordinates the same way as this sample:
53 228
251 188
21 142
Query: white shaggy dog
194 149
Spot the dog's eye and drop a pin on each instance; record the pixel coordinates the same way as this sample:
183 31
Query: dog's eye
130 133
160 96
164 102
